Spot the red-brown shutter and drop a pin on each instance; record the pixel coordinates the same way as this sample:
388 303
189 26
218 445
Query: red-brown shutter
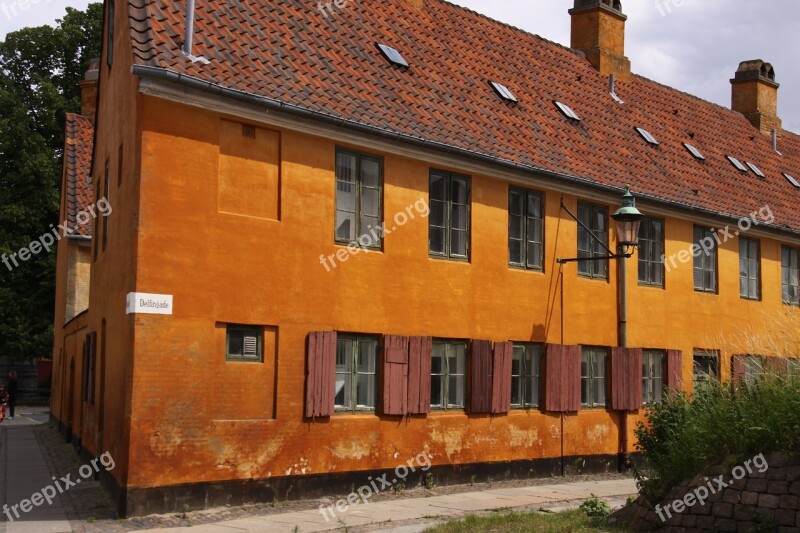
419 375
674 369
626 379
480 371
395 375
501 377
776 365
738 369
562 378
320 373
92 363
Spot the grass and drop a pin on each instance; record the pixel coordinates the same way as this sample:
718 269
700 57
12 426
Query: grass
511 522
719 424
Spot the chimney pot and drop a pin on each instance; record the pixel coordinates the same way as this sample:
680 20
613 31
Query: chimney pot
88 87
754 94
598 31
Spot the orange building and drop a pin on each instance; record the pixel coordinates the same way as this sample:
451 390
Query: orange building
252 333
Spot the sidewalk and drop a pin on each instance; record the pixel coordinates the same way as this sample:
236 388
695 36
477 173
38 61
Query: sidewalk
24 471
415 515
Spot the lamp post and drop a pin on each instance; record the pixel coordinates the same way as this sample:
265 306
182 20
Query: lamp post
627 220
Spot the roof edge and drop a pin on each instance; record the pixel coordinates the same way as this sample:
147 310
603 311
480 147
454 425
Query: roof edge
166 75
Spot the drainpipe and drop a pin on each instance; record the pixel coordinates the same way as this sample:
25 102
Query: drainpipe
187 42
622 281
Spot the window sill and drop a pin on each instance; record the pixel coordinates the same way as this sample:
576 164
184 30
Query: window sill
344 411
703 291
455 259
651 286
347 245
521 268
748 299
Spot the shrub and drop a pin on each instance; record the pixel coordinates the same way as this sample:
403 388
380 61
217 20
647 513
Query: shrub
719 424
595 507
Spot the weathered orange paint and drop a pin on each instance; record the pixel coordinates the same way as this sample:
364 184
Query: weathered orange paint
177 412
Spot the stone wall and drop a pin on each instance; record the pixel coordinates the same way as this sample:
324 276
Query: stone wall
758 501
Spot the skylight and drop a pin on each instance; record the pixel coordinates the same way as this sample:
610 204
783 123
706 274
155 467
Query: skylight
694 151
567 110
738 164
756 170
504 92
392 55
792 180
647 136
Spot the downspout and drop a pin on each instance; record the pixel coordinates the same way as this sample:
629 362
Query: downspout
622 282
187 42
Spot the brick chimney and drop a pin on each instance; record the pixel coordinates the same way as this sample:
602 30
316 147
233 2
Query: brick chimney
598 30
88 87
755 95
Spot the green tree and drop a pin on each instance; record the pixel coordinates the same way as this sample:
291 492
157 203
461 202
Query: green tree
39 73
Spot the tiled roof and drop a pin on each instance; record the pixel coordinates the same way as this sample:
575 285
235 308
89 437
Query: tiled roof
287 50
79 135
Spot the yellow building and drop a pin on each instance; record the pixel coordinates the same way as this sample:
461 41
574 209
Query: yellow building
251 335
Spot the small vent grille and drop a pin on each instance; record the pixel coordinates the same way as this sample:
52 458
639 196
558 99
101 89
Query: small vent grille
248 131
250 346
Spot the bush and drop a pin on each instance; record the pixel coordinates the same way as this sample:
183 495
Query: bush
719 424
594 507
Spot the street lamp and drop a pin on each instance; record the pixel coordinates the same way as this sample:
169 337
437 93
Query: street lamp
627 220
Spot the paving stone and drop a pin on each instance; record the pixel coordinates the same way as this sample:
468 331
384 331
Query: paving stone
768 501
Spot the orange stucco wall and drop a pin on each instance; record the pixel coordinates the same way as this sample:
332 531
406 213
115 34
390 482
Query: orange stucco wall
208 419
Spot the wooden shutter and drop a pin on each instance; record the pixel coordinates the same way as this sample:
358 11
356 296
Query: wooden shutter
92 363
776 365
738 369
87 342
419 375
562 378
395 375
501 377
480 371
320 373
626 379
674 369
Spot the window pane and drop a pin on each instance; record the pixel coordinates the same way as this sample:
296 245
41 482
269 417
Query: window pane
460 192
235 343
516 390
365 390
459 217
437 213
345 197
367 354
437 240
438 188
436 390
370 201
345 226
346 167
515 251
515 204
515 227
455 391
600 391
458 242
370 172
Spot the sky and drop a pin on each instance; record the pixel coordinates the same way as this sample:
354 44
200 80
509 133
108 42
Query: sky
692 45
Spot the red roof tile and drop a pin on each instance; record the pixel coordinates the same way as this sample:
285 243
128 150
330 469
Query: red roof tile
289 51
79 136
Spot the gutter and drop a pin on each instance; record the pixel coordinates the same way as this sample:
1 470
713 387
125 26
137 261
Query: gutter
191 82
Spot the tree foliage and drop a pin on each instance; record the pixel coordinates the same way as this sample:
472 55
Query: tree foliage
39 73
